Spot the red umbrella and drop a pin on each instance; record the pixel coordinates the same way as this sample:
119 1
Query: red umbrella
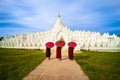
72 44
49 44
60 43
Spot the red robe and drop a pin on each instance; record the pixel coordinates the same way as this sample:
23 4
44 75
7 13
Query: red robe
48 52
58 52
70 53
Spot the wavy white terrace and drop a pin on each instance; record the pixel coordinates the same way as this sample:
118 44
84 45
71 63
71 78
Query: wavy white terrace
85 39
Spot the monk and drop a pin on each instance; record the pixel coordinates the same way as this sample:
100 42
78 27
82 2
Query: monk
58 52
48 53
70 53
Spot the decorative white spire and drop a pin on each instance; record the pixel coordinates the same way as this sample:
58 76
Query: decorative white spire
59 15
59 21
58 24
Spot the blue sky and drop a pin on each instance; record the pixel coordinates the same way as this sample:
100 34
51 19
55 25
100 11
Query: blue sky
22 16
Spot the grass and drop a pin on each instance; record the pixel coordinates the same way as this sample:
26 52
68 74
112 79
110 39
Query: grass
16 63
100 65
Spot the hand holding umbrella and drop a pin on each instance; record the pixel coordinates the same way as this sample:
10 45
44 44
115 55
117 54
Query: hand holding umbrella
70 49
59 45
48 50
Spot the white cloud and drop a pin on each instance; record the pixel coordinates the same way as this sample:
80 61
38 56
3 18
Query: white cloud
42 14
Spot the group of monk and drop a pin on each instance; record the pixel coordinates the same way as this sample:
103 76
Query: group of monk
59 44
58 53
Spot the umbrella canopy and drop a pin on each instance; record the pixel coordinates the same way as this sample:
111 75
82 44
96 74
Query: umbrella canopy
72 44
49 44
60 43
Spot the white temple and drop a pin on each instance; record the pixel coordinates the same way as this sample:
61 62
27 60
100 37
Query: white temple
85 39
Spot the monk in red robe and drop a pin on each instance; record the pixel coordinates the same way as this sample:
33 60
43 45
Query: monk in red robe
70 53
58 52
48 53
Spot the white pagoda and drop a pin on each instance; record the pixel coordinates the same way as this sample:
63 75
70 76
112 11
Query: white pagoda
85 39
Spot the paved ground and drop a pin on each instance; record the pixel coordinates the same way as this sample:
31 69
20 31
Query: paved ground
56 69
